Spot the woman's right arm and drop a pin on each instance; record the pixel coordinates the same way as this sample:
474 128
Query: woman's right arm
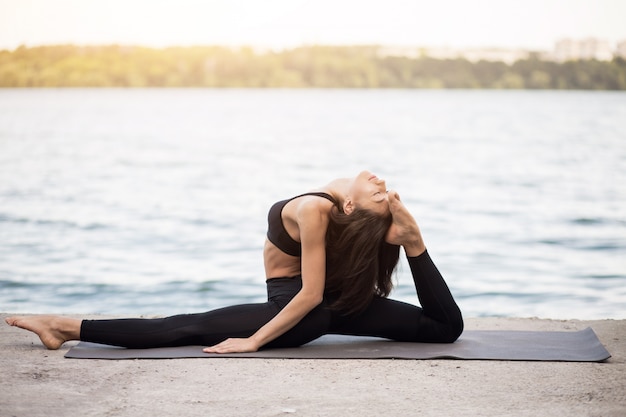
312 223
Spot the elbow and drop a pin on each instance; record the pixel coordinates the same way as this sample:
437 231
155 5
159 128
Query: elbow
312 300
316 300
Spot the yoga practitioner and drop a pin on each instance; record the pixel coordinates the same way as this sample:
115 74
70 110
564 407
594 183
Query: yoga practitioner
329 256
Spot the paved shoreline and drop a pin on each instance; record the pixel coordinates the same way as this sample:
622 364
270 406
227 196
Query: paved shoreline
38 382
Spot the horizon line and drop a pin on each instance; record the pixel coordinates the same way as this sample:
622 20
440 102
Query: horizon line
305 45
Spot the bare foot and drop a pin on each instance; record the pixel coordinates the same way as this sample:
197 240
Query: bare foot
52 330
404 230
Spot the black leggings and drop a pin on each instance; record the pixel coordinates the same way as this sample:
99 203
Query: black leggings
438 320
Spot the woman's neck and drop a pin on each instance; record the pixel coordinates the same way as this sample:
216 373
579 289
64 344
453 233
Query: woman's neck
338 189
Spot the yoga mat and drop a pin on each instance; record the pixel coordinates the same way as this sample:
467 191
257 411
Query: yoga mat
579 346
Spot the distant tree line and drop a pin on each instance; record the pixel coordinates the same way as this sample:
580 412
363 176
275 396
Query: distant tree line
302 67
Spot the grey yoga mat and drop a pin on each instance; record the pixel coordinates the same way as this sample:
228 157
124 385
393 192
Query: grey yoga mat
579 346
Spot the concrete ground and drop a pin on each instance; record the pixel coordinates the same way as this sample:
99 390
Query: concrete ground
37 382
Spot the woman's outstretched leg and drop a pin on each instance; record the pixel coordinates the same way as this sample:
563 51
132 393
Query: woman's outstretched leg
207 328
188 329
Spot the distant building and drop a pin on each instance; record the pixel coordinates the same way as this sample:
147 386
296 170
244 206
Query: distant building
508 56
404 51
590 48
564 50
620 50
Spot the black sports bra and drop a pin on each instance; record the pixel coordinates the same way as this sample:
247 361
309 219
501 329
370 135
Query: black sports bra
276 232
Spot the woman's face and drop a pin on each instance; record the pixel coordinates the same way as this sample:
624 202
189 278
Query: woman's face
369 192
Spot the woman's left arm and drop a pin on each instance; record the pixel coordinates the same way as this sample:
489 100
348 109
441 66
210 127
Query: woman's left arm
312 223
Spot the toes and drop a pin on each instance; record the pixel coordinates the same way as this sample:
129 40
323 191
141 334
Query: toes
11 321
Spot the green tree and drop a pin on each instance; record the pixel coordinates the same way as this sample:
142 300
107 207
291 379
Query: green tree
307 66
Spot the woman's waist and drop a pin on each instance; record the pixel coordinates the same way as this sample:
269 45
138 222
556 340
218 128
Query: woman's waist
282 289
278 263
273 271
284 278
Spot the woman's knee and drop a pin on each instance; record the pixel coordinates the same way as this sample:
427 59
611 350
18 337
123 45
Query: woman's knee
433 331
453 331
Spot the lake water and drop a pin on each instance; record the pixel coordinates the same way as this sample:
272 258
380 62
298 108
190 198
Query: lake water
155 201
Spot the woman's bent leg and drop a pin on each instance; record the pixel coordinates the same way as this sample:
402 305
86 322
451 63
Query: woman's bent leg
439 319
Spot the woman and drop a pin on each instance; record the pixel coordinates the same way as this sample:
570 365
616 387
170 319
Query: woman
328 258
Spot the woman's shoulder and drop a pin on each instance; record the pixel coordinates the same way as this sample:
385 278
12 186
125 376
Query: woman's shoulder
310 208
312 203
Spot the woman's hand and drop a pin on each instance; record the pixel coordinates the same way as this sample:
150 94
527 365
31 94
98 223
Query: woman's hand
404 230
233 346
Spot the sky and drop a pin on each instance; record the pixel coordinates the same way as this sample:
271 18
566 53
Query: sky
529 24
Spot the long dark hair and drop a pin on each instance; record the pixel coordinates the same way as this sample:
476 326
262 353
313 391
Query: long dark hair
359 263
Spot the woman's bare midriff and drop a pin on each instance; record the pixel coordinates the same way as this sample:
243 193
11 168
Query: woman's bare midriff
278 264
